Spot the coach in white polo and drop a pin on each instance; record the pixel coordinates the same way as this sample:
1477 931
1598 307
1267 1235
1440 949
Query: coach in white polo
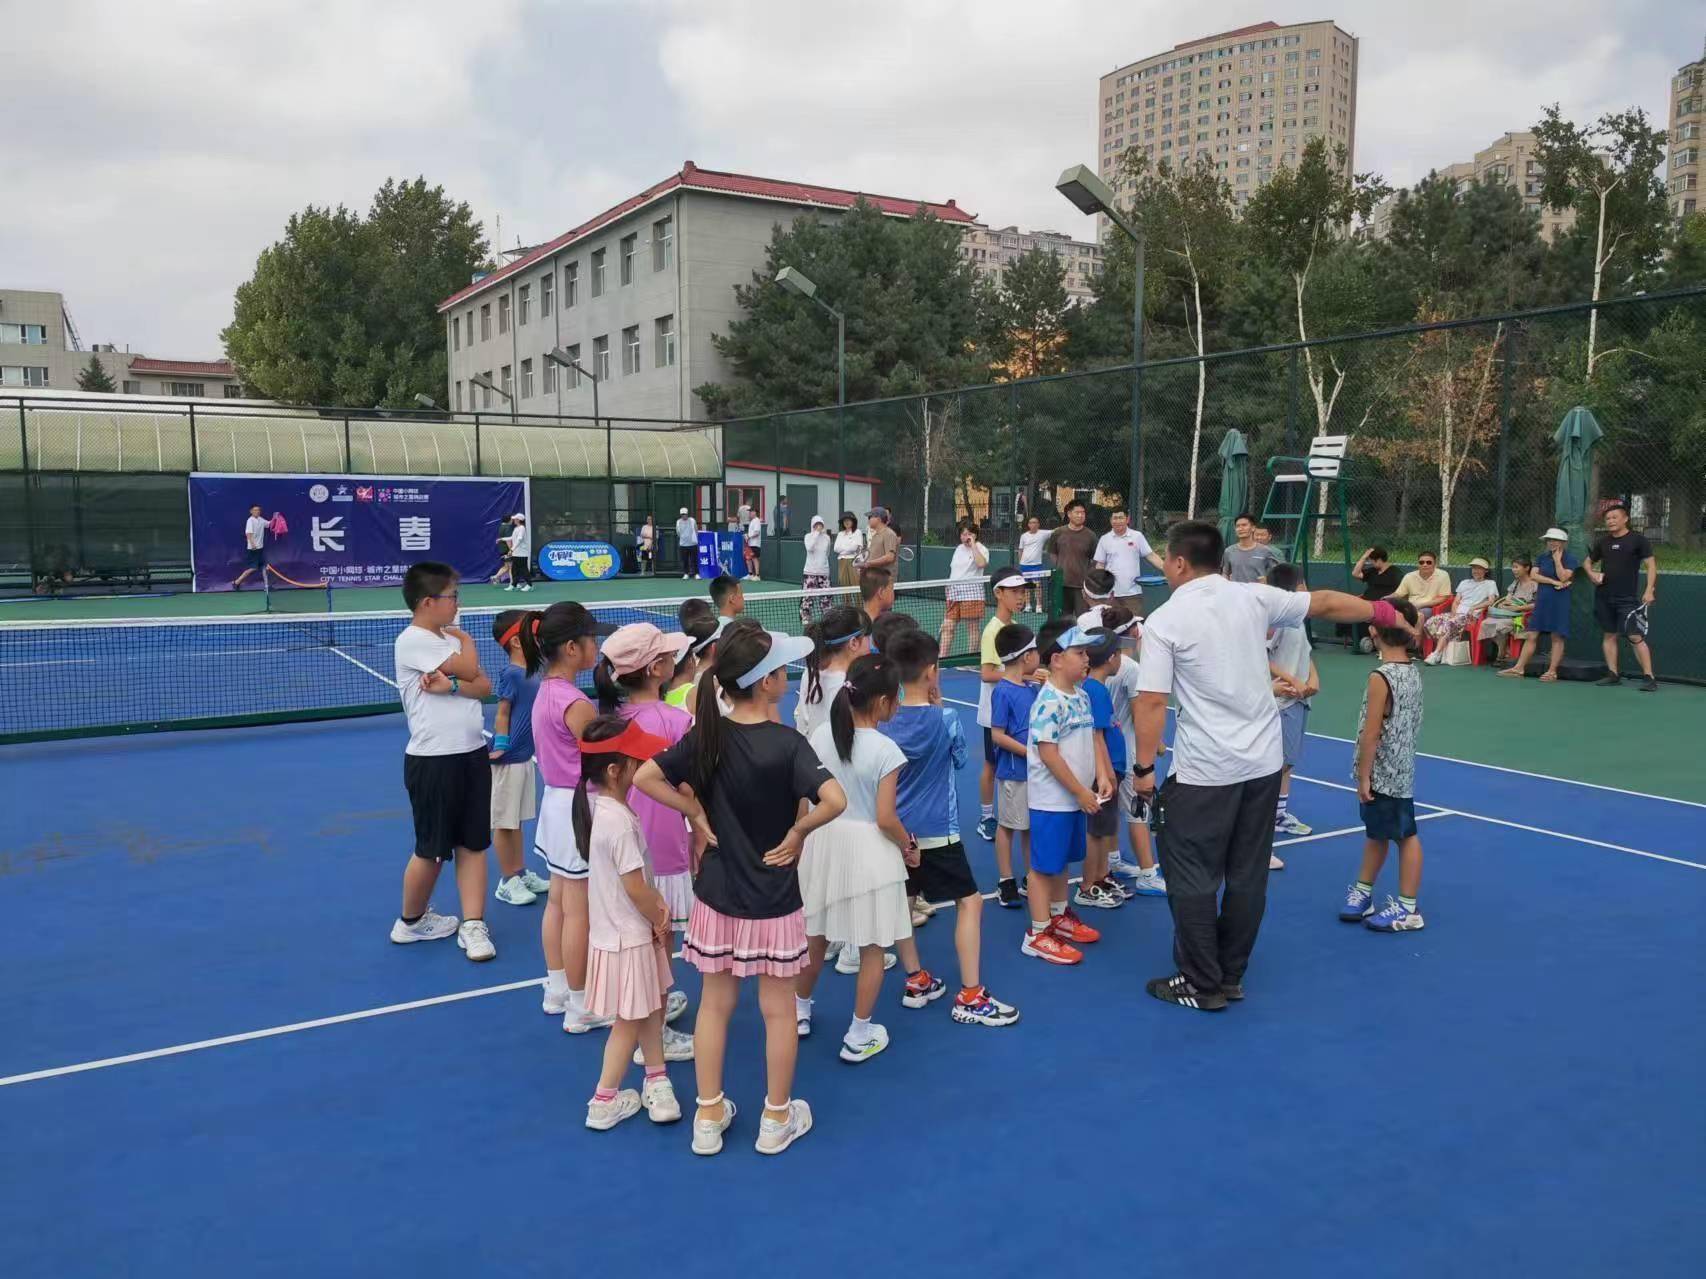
1122 550
1207 648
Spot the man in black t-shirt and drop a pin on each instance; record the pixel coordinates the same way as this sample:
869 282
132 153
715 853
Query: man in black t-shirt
1614 563
1379 579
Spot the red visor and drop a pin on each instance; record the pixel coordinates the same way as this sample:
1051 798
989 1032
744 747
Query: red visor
632 741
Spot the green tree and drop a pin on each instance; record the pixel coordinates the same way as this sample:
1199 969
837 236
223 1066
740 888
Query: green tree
1025 316
1463 252
342 309
1608 173
95 377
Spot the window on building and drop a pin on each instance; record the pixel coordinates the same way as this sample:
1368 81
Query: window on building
631 350
503 314
524 302
485 321
627 246
571 284
527 379
469 325
132 388
663 244
456 333
665 338
22 375
232 391
1314 55
486 390
601 358
598 273
548 377
458 400
23 334
547 293
571 375
196 389
506 378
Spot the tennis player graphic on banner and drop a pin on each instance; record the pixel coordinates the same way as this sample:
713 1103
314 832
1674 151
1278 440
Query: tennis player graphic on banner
348 530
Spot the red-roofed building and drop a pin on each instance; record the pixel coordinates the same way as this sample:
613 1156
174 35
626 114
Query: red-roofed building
634 295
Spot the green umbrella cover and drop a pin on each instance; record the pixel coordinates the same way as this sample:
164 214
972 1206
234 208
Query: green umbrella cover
1234 479
1576 436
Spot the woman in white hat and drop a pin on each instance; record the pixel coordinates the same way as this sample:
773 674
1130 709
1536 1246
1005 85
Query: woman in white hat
520 554
1474 598
1554 569
815 579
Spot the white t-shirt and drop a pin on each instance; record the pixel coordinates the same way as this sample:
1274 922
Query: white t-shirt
1208 647
817 554
874 758
1289 650
965 565
1031 547
810 716
1123 557
687 531
754 531
439 723
1471 593
848 545
1122 687
648 535
254 532
519 545
1066 720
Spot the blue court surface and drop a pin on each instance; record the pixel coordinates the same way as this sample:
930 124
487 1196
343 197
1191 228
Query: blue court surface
214 1063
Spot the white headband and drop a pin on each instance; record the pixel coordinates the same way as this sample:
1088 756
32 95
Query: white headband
1013 657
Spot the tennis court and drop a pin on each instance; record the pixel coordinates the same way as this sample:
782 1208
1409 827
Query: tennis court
215 1061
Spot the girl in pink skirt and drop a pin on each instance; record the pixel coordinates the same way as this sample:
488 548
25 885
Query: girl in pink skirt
739 779
627 973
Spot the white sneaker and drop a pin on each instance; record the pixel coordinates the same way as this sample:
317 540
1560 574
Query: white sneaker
509 588
524 587
605 1115
677 1046
577 1021
878 1041
776 1135
1290 824
538 885
475 941
674 1006
1432 659
431 926
708 1133
847 962
515 892
555 1002
659 1101
1274 863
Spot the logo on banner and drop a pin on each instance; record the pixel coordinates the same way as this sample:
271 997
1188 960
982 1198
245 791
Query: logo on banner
318 492
579 561
364 492
415 531
327 534
342 494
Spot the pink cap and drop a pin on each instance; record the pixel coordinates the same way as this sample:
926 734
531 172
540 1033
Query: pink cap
637 645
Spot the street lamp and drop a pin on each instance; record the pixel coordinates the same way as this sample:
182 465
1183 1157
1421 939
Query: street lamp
558 355
794 282
480 379
1089 194
427 402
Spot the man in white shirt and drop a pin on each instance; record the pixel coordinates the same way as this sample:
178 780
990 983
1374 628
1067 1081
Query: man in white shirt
520 554
754 546
687 544
1122 550
1207 647
254 546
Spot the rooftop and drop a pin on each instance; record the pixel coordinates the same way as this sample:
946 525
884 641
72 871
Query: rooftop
194 368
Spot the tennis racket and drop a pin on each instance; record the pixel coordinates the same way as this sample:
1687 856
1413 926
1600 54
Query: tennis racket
1636 624
902 554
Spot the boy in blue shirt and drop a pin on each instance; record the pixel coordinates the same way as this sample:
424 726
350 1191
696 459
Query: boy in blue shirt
1010 704
514 787
1098 888
923 797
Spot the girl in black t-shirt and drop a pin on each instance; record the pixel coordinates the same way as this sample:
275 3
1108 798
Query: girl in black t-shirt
739 779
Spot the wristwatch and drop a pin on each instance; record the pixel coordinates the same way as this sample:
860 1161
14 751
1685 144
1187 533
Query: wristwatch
1142 770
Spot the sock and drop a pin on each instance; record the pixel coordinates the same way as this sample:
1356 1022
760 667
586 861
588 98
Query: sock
971 994
1148 871
555 982
859 1031
802 1009
1408 903
1365 888
577 1000
1009 880
656 1073
414 919
604 1094
1037 930
987 810
1057 908
1279 815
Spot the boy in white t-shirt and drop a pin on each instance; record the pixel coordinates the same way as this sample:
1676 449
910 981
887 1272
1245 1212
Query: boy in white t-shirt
1292 666
754 546
1145 875
520 552
445 766
1031 544
254 547
1009 589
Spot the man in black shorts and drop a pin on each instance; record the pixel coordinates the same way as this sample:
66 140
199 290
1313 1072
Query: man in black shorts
1614 561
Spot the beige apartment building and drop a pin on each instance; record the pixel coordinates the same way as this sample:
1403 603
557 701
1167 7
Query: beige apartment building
1247 100
1509 158
1687 122
992 250
39 348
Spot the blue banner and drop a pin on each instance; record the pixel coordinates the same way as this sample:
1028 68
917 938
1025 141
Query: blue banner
721 553
579 561
346 530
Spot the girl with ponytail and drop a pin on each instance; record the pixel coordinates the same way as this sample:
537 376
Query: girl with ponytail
738 777
853 872
840 636
516 632
704 630
628 961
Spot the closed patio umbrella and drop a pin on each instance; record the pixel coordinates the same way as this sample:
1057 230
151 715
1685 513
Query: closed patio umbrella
1575 437
1234 479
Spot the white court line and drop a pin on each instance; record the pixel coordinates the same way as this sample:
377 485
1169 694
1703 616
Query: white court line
364 666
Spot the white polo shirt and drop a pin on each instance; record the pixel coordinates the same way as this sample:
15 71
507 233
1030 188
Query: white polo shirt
1122 555
1208 647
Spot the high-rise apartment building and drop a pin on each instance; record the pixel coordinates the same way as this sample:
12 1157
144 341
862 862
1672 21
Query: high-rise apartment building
1247 100
1687 122
991 251
1509 158
39 348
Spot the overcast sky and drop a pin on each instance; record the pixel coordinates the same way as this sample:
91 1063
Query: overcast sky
149 152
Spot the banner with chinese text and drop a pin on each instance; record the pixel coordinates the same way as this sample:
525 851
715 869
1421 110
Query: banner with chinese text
346 530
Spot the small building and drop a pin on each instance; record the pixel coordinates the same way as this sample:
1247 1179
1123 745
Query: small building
40 348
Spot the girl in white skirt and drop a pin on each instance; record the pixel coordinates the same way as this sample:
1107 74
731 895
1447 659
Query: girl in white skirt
839 637
627 971
853 871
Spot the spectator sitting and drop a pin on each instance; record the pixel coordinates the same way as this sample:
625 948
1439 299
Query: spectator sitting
1379 579
1474 598
1427 588
1514 606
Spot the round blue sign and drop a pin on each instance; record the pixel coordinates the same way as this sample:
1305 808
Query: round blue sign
579 561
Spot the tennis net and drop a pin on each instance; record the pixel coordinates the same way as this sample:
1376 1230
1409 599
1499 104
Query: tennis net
137 675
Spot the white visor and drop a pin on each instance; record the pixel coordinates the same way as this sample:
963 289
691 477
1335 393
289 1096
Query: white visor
1013 657
784 649
1011 579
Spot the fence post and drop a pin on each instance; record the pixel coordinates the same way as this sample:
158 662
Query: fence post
479 468
610 478
775 529
1507 393
1291 404
923 494
195 453
29 498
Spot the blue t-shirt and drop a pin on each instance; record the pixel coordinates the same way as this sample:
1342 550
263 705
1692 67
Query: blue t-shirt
957 754
921 795
518 688
1010 711
1102 713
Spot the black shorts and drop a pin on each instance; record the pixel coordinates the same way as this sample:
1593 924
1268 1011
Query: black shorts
1105 821
942 875
1611 611
1388 817
991 753
451 799
258 558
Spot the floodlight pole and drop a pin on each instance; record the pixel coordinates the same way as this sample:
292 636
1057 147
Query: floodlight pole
794 282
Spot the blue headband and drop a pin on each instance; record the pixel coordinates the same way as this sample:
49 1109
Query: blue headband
839 640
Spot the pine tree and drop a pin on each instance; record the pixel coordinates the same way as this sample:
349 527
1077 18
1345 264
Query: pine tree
96 377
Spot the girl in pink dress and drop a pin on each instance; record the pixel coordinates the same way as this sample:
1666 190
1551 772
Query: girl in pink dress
628 924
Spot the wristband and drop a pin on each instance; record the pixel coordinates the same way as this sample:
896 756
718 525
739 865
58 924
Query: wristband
500 742
455 684
1142 770
1384 614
